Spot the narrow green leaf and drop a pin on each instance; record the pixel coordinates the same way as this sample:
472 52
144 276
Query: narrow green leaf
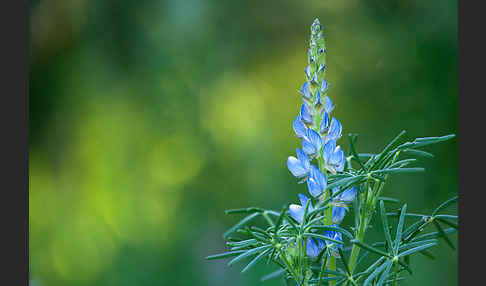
389 200
443 216
445 205
384 274
419 153
240 224
376 272
402 163
415 249
444 235
369 248
272 275
248 253
338 229
451 224
224 255
352 140
255 260
243 210
346 182
427 254
323 268
322 237
407 234
384 222
416 243
401 221
388 148
436 234
398 170
343 261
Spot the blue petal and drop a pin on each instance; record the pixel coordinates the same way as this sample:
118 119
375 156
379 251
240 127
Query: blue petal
328 105
305 113
338 214
324 86
307 72
299 127
304 160
314 138
335 129
334 235
322 68
308 147
313 187
296 167
348 195
314 79
338 159
324 123
316 182
296 212
313 249
305 91
303 201
318 100
328 150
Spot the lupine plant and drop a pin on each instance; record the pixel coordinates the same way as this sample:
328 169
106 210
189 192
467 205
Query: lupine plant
307 241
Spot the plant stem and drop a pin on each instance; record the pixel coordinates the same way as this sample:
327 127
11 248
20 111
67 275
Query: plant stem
292 270
355 250
396 274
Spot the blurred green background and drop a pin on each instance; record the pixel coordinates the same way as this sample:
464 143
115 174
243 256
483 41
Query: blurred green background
149 118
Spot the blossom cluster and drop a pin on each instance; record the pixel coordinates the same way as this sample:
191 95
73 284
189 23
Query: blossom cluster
319 132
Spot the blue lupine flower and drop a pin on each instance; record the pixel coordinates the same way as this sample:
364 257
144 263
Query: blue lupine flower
299 166
305 90
321 68
331 244
333 156
314 246
314 79
316 182
312 142
305 114
347 196
324 86
324 123
328 106
297 212
299 127
335 130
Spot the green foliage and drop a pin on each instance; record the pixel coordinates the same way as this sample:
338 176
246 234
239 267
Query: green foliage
282 243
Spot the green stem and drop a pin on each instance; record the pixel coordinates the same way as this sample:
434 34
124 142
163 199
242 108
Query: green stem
396 274
355 249
292 270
